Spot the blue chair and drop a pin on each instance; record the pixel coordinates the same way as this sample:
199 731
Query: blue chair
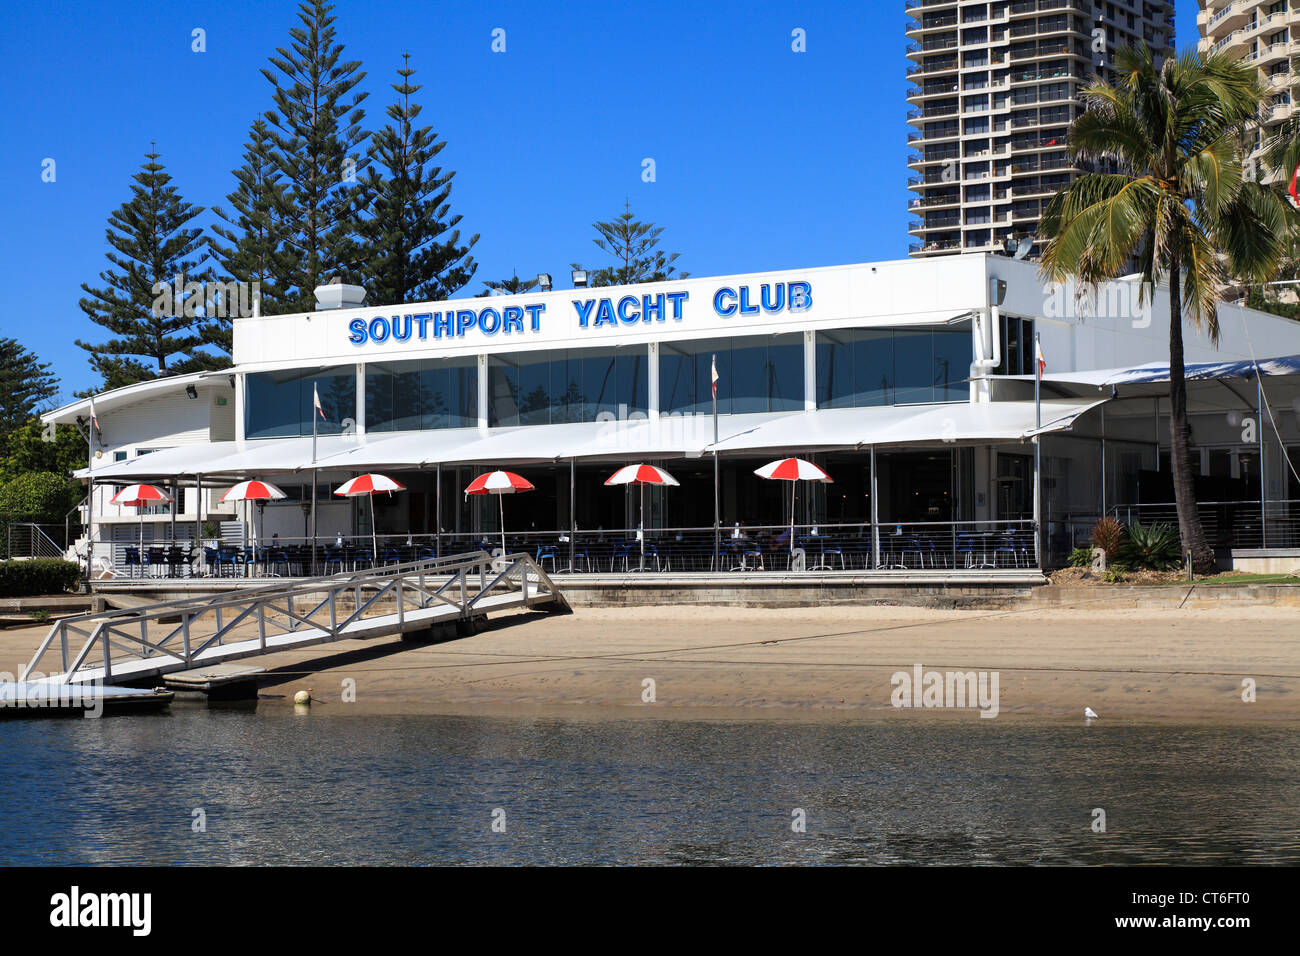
426 554
363 555
547 552
392 556
334 559
133 562
623 551
210 560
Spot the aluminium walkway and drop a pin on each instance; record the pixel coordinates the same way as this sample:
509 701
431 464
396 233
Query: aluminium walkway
121 646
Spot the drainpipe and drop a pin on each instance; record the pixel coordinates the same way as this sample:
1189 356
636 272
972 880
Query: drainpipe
988 324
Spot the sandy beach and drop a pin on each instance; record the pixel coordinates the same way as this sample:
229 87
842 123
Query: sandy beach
833 663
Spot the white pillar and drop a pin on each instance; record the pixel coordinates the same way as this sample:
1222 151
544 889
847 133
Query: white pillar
361 403
810 371
482 392
653 382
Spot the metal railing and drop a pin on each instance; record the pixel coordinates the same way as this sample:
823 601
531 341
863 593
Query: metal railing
178 635
27 539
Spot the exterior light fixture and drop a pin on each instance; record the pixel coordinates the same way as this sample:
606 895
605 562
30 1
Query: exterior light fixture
191 391
544 280
580 278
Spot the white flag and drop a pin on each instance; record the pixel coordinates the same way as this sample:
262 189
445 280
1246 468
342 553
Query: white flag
315 399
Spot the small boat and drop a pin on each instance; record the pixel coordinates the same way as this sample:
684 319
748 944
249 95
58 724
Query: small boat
47 699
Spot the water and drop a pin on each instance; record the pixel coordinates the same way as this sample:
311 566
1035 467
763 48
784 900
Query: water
290 789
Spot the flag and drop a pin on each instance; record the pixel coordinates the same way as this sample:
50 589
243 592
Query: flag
94 418
1042 362
1295 194
315 401
714 373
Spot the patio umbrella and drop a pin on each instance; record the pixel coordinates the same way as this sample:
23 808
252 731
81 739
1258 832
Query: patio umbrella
792 470
254 490
499 483
370 485
641 475
141 496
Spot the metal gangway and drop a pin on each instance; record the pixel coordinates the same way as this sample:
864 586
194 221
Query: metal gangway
119 646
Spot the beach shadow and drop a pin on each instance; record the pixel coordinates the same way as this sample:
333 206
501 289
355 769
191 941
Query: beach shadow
287 673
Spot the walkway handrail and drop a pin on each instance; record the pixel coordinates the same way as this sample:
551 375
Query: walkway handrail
177 632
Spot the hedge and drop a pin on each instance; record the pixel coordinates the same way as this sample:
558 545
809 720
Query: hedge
41 576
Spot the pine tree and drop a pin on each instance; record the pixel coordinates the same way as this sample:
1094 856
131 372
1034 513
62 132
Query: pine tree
152 247
512 286
413 251
256 255
316 129
635 246
25 384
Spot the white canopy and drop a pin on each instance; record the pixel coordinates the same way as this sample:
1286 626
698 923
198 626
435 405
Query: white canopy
670 436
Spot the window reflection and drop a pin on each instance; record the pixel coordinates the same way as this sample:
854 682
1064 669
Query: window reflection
859 367
558 385
424 394
755 374
279 404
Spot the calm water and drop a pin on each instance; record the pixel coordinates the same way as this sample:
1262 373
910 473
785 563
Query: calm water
283 788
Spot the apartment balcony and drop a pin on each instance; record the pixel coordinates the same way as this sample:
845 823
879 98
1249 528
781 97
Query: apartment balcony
1230 17
936 247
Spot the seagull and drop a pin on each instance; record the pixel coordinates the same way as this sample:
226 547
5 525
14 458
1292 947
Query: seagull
1089 713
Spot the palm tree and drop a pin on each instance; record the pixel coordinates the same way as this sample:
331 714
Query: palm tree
1176 203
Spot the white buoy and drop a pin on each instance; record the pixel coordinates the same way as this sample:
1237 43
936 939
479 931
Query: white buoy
1089 713
303 697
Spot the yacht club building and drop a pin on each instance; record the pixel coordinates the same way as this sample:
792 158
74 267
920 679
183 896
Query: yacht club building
909 382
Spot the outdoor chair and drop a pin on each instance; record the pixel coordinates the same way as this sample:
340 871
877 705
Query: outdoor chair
546 552
363 556
228 558
132 562
426 554
279 559
392 556
621 552
1007 546
910 546
334 560
210 560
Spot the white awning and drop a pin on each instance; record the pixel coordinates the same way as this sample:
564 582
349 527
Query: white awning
909 424
670 436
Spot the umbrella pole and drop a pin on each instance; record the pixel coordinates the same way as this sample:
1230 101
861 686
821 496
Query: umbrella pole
641 522
794 490
501 501
374 535
140 512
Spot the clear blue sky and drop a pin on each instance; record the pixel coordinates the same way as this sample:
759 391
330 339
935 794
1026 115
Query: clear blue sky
766 158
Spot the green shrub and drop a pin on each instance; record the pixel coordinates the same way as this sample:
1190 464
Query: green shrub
1081 558
1155 547
43 576
39 496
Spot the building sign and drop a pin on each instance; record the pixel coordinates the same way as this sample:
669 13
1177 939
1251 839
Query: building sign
608 312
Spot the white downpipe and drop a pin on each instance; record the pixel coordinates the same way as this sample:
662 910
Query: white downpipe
989 325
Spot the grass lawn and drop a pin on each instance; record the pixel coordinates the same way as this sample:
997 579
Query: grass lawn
1251 579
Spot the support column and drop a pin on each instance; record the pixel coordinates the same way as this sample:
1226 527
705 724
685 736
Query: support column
1103 461
1263 481
652 382
360 408
482 392
810 371
573 518
198 519
437 512
875 514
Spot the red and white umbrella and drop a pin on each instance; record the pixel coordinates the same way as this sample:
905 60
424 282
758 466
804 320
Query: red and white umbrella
254 490
370 485
499 483
141 496
792 470
641 475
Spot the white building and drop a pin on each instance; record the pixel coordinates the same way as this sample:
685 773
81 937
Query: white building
997 86
910 382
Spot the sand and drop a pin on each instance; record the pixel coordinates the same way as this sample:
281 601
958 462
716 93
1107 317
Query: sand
832 663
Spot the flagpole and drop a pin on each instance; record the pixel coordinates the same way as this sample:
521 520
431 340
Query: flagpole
1038 449
315 397
717 514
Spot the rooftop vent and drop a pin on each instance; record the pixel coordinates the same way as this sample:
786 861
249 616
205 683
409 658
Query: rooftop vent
338 295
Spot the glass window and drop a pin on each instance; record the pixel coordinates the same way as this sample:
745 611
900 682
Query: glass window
860 367
578 385
279 404
755 374
420 395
